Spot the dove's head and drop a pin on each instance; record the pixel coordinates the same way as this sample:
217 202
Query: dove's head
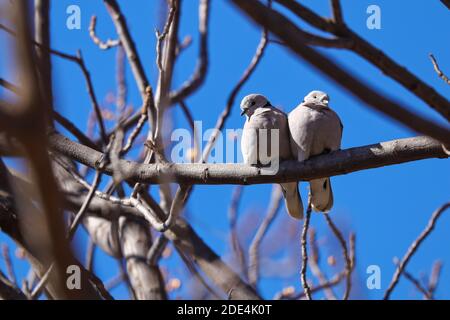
252 102
316 99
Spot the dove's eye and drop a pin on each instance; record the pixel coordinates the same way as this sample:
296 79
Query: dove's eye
253 103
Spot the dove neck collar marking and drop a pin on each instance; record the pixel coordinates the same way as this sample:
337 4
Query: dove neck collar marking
267 105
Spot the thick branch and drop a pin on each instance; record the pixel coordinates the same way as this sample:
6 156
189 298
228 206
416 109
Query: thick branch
335 163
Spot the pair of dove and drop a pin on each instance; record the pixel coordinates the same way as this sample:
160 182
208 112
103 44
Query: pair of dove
312 128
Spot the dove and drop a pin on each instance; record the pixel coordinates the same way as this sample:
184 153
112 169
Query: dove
315 129
260 114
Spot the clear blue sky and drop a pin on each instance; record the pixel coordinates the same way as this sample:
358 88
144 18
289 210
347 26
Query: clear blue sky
386 207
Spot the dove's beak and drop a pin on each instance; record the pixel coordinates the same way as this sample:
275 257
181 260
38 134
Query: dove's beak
244 111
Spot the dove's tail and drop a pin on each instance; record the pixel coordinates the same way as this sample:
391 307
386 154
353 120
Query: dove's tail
292 199
321 194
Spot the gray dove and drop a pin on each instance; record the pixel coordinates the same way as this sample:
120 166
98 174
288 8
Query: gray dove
260 114
315 129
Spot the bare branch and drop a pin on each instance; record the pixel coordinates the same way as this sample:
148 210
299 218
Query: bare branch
77 133
304 245
8 291
347 257
414 247
195 154
434 277
232 218
313 263
337 11
274 206
108 44
417 284
438 70
199 75
8 85
42 36
156 250
143 118
129 47
8 263
335 163
82 211
90 254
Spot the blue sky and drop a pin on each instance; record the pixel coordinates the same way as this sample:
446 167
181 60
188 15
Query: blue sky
386 207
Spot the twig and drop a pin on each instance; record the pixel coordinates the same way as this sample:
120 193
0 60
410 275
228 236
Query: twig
274 206
314 265
191 267
347 259
42 282
417 284
77 133
102 45
90 88
87 201
122 89
8 264
66 123
196 139
143 118
90 255
78 60
232 218
438 70
337 12
304 267
201 69
434 277
8 85
115 281
160 36
232 96
156 250
413 248
177 206
128 45
329 284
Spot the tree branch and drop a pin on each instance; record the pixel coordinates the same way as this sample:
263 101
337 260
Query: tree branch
108 44
304 246
253 252
413 248
446 3
199 75
335 163
438 70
